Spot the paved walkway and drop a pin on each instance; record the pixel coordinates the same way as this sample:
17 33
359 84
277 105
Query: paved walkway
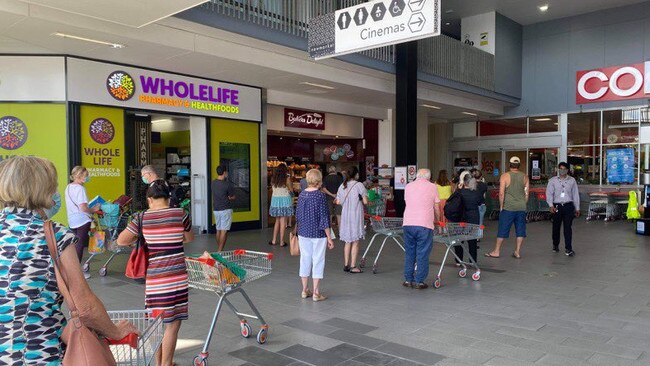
545 309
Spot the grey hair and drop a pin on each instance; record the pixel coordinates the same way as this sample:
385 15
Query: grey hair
424 173
148 169
471 182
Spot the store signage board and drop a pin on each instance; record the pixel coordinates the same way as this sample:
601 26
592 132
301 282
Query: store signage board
620 166
129 87
412 173
373 24
401 177
623 82
296 118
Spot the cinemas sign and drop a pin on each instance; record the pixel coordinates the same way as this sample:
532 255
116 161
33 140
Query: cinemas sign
613 83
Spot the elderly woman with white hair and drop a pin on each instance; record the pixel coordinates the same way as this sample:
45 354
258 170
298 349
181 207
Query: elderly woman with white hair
472 198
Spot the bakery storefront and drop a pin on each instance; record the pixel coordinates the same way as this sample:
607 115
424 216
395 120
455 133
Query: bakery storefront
113 119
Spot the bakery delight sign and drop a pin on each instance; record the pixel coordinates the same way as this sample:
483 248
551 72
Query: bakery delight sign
296 118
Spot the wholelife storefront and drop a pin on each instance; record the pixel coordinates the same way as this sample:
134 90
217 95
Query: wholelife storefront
81 112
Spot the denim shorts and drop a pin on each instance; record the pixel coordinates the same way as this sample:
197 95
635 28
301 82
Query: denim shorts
507 218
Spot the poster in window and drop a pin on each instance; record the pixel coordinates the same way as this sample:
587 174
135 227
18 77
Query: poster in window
401 177
236 157
620 165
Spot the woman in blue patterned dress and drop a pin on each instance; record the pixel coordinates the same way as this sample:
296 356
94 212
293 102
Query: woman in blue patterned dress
31 319
281 203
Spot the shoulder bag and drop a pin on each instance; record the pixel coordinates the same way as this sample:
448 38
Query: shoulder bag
83 347
136 267
294 243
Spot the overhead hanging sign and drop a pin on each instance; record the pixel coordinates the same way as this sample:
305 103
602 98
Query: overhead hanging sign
373 24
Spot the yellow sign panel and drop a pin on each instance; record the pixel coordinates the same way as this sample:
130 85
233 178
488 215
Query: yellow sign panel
37 129
102 151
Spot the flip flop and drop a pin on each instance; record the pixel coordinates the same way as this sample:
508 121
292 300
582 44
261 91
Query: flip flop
516 256
489 255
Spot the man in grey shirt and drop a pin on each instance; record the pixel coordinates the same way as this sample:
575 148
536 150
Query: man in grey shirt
563 199
223 193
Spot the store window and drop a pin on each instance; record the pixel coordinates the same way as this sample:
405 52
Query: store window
237 157
542 165
503 127
585 163
491 166
621 126
583 128
543 124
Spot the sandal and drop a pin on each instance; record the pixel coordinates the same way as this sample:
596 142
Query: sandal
271 243
516 256
489 255
346 268
283 244
358 270
306 294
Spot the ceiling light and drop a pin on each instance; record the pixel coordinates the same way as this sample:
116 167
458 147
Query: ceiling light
543 119
429 106
63 35
318 85
543 8
470 114
141 114
337 136
448 23
449 11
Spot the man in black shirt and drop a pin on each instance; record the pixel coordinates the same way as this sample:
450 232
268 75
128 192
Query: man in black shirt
223 193
331 184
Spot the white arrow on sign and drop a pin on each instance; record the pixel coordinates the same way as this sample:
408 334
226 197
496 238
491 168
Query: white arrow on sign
416 22
416 5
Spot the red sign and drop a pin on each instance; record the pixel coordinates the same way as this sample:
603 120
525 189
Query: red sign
613 83
296 118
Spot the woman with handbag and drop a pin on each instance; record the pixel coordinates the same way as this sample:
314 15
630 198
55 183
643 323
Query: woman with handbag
165 230
352 195
76 203
32 291
313 228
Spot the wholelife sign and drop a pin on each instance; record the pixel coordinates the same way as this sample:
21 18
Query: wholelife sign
373 24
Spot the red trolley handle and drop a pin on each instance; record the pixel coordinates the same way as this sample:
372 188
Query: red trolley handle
131 340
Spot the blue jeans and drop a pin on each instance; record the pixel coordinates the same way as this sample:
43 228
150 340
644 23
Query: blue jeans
418 242
481 212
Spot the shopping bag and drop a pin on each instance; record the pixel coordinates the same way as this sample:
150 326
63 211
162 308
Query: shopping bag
294 245
97 242
136 266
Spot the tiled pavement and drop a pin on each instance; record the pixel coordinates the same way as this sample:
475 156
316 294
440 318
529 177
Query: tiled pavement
545 309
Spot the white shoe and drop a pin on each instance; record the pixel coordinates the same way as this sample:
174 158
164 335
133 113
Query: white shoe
86 275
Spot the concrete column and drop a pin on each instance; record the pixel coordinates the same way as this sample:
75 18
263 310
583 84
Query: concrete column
564 132
386 140
200 173
423 140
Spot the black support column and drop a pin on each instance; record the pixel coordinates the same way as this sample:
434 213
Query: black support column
406 103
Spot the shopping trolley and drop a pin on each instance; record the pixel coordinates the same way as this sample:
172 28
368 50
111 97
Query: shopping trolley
113 218
136 350
453 234
616 205
225 276
492 208
597 205
377 207
531 207
390 228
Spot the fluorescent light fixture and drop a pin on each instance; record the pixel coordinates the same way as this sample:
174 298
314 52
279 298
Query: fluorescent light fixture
543 119
318 85
447 23
470 114
543 8
63 35
141 114
429 106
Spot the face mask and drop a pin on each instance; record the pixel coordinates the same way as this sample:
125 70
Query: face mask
563 171
87 179
50 212
145 180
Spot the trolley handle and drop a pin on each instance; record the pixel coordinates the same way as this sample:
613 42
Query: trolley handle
131 340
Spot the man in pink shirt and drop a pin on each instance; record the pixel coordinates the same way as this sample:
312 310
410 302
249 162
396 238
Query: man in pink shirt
422 208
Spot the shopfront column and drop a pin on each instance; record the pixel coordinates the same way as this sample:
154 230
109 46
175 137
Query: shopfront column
406 66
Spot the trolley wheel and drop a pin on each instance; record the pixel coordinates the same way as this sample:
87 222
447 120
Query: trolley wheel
86 267
476 276
462 273
362 263
374 269
245 329
437 283
103 271
262 335
200 361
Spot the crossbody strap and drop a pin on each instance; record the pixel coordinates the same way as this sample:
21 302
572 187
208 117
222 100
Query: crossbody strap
347 194
58 270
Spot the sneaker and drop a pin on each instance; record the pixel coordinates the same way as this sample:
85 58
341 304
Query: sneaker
86 275
556 250
421 286
570 253
408 284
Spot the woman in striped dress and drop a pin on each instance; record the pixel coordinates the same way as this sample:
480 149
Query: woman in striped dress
165 230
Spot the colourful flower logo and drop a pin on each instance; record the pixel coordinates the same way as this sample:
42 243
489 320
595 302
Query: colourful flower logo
102 131
120 85
13 133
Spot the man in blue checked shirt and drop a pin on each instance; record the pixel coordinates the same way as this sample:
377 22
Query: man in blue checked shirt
563 199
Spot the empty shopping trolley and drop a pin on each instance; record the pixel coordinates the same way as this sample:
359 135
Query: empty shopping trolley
137 350
453 234
389 228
